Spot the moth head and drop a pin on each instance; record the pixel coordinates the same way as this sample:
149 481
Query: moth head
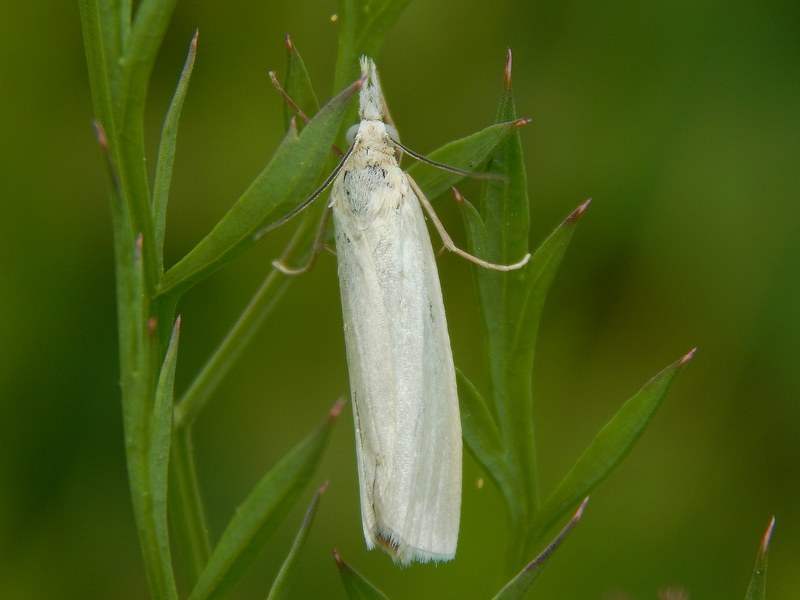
371 106
352 133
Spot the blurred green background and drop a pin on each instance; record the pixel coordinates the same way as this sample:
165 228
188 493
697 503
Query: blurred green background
681 120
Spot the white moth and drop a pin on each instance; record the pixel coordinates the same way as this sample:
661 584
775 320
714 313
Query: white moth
402 378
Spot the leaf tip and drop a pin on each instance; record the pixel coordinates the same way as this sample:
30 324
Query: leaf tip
176 328
338 558
576 214
321 489
193 43
507 71
100 134
287 39
521 122
579 513
336 410
687 357
767 537
457 195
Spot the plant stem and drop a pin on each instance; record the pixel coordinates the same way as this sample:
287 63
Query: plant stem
229 350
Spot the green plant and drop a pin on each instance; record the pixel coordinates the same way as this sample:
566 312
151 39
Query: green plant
121 46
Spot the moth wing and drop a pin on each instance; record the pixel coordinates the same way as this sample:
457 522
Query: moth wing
402 380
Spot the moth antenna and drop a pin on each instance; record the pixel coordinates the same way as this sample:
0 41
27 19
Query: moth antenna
304 204
444 167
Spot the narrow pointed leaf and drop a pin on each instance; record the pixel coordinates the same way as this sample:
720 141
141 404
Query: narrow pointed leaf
159 453
483 438
166 152
480 430
188 523
356 586
100 25
519 586
287 180
147 32
469 153
297 84
364 24
280 588
501 235
261 513
505 206
610 445
138 418
150 24
505 216
538 275
757 590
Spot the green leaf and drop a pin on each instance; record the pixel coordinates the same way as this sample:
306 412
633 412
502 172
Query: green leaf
100 24
483 438
189 524
364 24
480 430
538 275
280 588
158 458
149 27
505 207
357 587
520 585
610 445
468 153
166 153
261 513
136 63
297 84
757 590
287 180
499 233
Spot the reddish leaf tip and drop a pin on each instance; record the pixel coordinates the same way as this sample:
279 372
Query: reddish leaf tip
507 71
521 122
767 537
152 325
579 513
193 43
288 41
100 134
338 558
322 488
459 198
336 410
576 214
687 357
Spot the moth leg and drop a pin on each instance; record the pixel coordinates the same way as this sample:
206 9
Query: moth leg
448 241
317 247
